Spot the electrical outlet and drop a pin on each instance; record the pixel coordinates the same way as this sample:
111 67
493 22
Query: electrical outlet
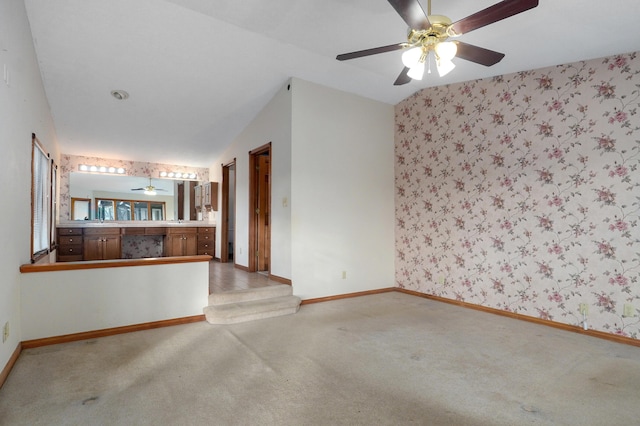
344 275
441 280
584 309
628 311
5 332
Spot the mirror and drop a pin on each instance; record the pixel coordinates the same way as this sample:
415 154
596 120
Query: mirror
85 188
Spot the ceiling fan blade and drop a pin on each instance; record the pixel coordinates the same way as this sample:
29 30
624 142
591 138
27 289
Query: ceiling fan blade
368 52
479 55
495 13
138 189
403 78
412 13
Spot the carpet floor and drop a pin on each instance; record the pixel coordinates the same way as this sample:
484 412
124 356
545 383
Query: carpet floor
384 359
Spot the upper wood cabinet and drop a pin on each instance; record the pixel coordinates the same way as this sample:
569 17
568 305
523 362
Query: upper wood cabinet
197 190
207 196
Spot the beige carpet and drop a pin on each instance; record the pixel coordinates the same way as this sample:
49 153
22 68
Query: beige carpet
387 359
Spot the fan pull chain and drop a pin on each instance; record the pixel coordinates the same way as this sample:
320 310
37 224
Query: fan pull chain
429 8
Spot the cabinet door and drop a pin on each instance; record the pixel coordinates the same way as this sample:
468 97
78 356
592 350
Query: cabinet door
93 248
173 245
198 197
190 244
111 248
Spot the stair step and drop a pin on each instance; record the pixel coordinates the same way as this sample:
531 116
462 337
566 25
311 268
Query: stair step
235 312
216 299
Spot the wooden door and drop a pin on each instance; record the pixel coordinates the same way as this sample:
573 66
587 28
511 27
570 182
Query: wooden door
263 236
260 209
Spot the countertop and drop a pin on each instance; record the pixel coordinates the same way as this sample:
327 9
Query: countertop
134 224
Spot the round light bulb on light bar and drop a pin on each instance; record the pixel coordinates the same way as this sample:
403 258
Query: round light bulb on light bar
163 174
112 169
411 57
192 176
84 168
120 170
171 174
93 169
417 71
102 169
446 50
178 175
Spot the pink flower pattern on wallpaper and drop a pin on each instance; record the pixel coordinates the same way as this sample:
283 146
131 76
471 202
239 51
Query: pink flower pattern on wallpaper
522 192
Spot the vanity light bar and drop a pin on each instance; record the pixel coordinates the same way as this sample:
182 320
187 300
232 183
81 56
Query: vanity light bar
100 169
178 175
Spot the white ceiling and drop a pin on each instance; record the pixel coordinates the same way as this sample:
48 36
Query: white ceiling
198 71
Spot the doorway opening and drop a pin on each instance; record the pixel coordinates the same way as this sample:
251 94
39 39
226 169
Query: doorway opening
228 213
260 209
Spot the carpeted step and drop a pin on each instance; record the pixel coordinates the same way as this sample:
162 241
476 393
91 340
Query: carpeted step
235 312
246 295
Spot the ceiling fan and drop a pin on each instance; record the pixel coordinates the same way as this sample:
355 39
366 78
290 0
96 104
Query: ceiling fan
429 33
149 189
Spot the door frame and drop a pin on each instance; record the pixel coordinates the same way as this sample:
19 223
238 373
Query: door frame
224 213
253 195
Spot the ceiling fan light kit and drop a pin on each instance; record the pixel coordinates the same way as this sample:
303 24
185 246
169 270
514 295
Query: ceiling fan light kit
429 33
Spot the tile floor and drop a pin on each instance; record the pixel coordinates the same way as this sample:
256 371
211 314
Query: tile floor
226 277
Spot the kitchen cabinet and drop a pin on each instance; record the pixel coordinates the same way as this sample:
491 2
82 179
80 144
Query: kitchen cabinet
101 244
207 241
181 242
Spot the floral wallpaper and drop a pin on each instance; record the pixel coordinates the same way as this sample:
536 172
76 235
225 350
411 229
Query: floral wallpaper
522 193
140 247
70 163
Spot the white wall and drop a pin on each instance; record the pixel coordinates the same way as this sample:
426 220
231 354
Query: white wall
342 192
67 302
23 110
273 124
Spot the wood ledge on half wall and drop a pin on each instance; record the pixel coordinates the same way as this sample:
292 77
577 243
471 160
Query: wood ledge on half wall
116 263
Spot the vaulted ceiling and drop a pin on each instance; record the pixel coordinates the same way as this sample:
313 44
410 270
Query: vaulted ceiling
198 71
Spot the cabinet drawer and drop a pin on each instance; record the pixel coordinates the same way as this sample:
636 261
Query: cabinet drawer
69 258
205 245
70 249
69 231
180 230
155 231
205 237
66 240
203 230
101 231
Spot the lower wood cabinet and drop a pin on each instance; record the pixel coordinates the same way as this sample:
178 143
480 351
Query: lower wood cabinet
207 241
98 243
70 244
181 242
102 243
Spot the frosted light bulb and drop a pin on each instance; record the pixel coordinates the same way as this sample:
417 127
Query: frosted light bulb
411 57
417 71
446 50
444 67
